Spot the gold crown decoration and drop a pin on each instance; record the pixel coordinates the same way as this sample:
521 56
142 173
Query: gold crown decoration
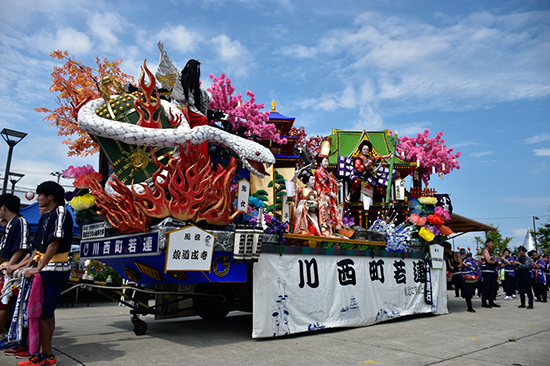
324 150
168 81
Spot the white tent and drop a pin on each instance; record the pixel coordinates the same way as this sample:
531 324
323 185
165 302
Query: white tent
529 242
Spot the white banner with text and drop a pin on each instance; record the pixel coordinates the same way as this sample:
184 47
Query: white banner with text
301 293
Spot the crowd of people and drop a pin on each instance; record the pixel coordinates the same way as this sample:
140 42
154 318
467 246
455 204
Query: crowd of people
522 275
33 273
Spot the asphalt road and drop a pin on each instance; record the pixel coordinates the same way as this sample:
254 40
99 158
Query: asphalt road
102 334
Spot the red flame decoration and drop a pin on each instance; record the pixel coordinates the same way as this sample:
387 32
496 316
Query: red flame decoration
190 191
147 109
174 121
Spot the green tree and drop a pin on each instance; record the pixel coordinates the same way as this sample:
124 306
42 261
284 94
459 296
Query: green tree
262 195
500 242
543 237
280 191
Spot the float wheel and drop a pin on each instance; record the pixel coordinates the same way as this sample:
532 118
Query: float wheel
212 308
140 327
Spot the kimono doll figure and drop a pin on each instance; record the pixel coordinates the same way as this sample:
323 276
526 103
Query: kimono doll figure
306 221
327 188
366 176
184 88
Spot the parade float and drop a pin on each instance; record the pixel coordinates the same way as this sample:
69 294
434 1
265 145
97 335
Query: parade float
214 206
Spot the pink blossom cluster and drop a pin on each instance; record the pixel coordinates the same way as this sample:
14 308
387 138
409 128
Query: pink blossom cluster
76 172
444 213
243 116
432 154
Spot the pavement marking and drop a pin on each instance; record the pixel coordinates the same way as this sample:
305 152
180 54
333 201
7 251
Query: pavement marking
371 361
530 323
472 337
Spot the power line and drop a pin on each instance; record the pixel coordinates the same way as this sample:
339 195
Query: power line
508 218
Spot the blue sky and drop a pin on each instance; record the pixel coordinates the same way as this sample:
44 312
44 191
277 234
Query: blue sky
476 70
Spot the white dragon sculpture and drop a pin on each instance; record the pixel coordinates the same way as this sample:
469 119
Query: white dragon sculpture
251 154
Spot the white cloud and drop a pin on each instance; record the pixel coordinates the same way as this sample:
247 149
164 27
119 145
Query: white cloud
307 103
65 39
481 153
177 38
542 152
327 103
466 143
411 129
545 136
540 168
469 63
235 57
368 119
104 26
73 41
299 51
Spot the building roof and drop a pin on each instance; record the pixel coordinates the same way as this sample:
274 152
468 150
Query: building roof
346 143
274 114
461 225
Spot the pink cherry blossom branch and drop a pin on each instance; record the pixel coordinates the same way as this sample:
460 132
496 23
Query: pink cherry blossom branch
244 116
432 154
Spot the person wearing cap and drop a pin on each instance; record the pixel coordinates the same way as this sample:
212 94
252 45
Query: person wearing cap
523 265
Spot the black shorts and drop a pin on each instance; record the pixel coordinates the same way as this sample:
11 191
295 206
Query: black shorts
53 283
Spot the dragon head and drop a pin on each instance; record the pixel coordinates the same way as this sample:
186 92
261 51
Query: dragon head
254 156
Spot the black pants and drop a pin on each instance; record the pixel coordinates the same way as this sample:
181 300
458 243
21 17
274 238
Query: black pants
542 291
465 288
535 286
509 285
488 289
524 287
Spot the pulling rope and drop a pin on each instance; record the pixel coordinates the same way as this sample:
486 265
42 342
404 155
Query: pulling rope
12 282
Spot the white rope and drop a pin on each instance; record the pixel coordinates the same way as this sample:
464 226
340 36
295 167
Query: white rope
13 281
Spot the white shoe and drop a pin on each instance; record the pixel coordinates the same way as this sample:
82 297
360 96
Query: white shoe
514 296
508 298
